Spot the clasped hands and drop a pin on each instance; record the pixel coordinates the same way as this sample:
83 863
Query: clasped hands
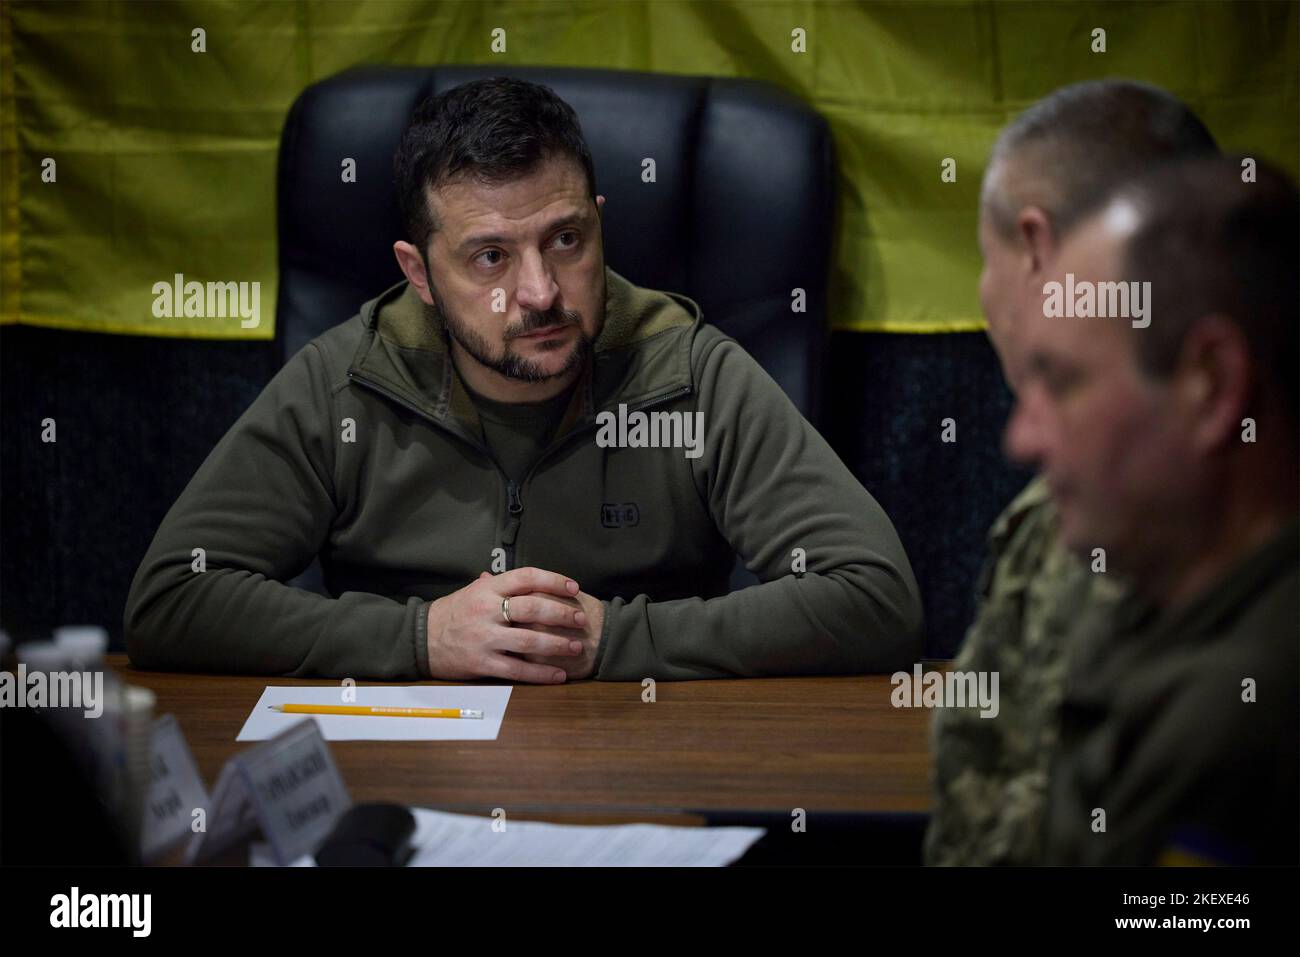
551 637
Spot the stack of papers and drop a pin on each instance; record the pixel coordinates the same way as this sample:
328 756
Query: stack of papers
466 840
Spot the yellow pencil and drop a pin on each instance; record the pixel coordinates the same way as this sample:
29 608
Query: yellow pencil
378 711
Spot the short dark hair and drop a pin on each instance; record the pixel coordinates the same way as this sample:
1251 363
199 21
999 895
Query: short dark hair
492 130
1210 243
1084 139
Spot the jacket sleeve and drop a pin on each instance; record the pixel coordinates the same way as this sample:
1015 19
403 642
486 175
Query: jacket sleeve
260 507
773 485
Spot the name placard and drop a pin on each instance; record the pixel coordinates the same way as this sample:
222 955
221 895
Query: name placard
175 791
288 786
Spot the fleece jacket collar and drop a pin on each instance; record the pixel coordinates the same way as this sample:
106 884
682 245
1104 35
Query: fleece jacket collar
641 357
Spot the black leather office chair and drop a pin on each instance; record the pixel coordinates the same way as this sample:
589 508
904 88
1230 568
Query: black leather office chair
740 214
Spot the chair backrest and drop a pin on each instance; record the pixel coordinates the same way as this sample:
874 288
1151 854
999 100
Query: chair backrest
738 217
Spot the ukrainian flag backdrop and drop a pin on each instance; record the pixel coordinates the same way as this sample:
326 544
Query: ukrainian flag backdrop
164 157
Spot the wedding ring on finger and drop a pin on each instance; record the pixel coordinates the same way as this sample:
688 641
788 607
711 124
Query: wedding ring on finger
505 611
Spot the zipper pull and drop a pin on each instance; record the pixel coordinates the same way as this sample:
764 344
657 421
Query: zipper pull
514 506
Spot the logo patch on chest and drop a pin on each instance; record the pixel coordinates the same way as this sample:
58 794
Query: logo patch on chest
620 516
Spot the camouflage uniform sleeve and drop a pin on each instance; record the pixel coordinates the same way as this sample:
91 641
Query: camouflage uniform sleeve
990 774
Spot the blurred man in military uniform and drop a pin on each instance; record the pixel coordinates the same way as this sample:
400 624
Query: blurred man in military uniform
1173 443
1047 167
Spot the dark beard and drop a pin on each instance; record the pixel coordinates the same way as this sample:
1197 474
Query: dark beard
510 364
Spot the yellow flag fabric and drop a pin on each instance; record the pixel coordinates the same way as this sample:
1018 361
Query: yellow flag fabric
139 139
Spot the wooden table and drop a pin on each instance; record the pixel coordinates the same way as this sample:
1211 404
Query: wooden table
594 752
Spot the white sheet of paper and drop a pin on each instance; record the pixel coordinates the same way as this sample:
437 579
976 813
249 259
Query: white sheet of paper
264 723
466 840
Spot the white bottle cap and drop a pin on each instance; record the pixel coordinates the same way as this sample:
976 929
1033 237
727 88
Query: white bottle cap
42 656
82 642
139 700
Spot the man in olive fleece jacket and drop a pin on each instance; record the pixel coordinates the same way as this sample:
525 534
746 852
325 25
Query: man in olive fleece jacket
450 456
414 508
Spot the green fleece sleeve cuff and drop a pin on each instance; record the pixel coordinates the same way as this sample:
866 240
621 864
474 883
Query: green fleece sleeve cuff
422 640
604 637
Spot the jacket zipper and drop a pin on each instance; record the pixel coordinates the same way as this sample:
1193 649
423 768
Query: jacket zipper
514 497
559 444
513 505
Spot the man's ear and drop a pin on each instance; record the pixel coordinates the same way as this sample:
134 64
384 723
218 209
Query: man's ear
411 263
1034 227
1213 381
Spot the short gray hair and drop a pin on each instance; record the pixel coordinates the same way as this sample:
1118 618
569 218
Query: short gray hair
1081 141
